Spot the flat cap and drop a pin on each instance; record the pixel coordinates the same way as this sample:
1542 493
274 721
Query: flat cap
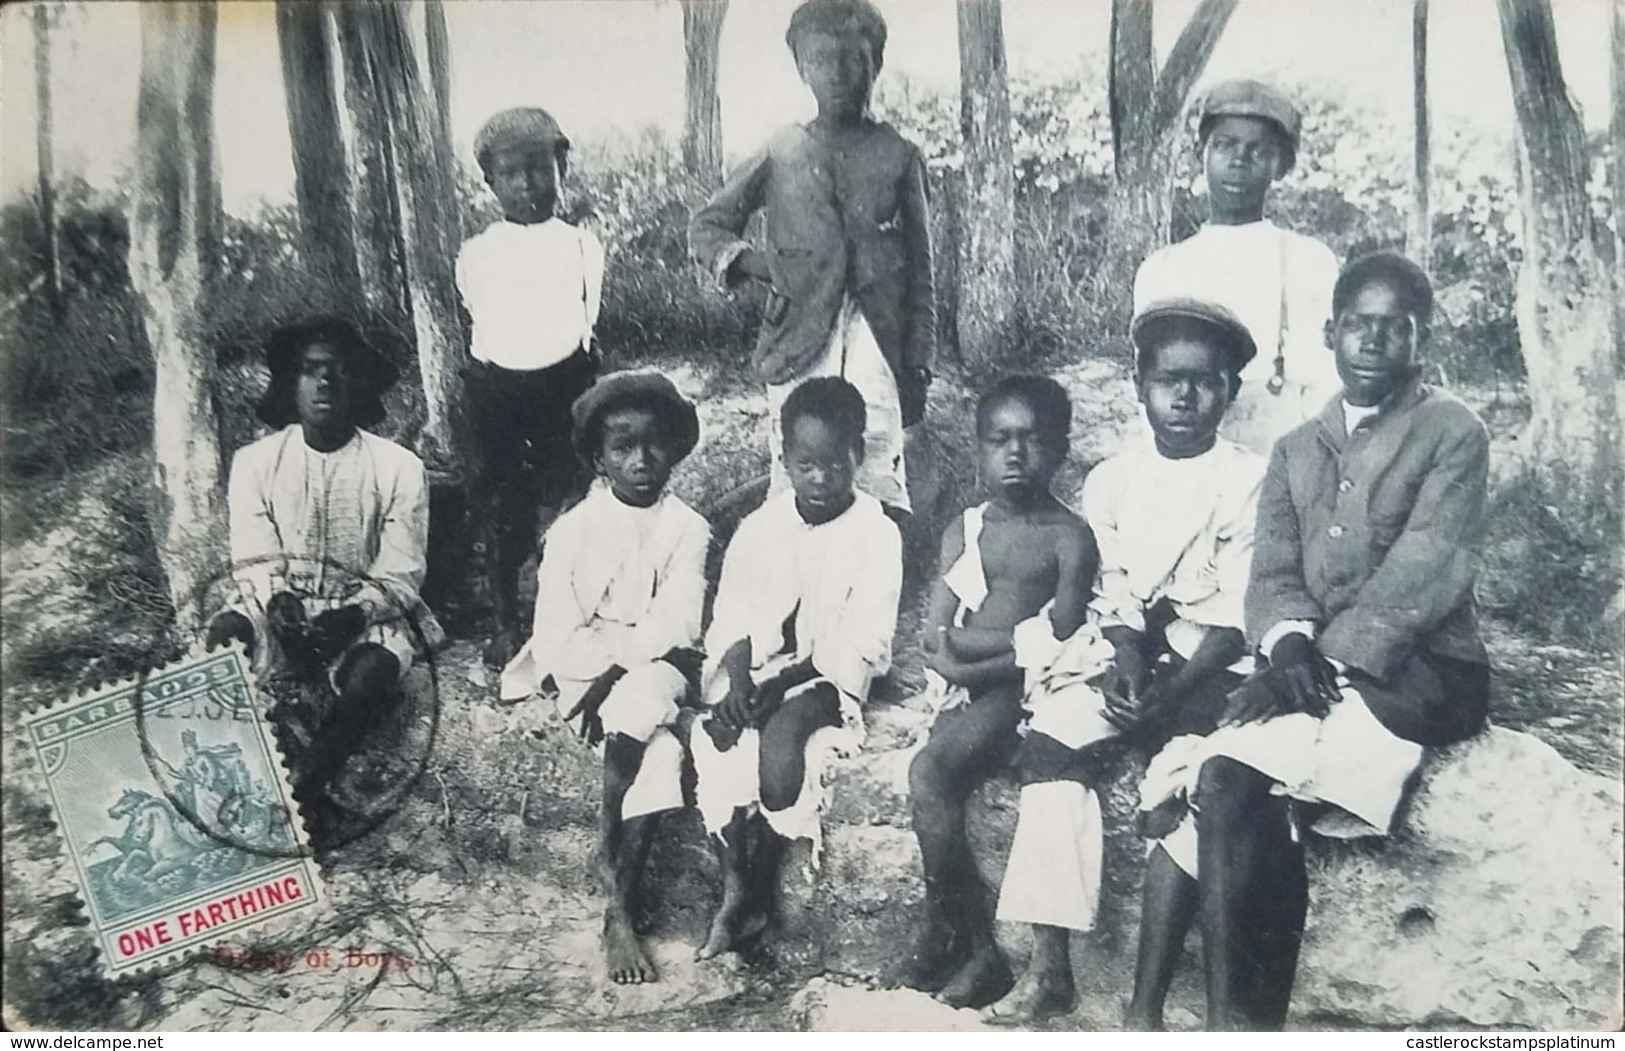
644 388
518 125
1168 319
1250 98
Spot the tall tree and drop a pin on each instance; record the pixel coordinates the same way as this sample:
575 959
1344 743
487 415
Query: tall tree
1616 174
1146 106
327 234
702 116
174 236
406 189
987 247
1419 237
1564 304
45 144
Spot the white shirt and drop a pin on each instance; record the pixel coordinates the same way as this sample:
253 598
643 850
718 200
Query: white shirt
1244 268
1175 529
616 585
533 291
842 579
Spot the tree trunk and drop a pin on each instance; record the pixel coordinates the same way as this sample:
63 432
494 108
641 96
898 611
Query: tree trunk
1145 118
1563 305
44 140
702 119
327 234
174 230
987 245
407 180
1419 236
1616 176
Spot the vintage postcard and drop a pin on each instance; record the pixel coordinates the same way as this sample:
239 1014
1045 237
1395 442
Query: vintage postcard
175 811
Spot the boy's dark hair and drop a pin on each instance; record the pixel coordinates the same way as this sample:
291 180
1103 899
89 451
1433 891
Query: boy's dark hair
1043 395
831 400
839 16
1389 268
521 124
369 371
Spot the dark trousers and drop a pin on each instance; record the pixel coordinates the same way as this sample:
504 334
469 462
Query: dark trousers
522 425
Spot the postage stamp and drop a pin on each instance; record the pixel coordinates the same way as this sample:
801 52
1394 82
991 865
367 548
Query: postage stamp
175 810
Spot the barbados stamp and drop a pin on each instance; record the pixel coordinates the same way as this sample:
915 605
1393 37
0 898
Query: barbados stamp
175 811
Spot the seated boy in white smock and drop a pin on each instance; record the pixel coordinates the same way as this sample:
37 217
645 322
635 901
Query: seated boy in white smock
620 592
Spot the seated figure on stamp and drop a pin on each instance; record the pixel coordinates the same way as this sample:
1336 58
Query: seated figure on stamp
329 528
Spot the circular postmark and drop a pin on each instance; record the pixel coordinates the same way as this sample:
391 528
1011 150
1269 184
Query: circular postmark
314 698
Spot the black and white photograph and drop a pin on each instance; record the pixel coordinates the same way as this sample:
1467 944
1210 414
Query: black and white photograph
976 516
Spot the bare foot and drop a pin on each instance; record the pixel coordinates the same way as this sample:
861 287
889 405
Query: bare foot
937 954
623 956
1039 994
731 928
983 979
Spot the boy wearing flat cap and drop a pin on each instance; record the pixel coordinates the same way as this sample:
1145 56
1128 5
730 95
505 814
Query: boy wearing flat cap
531 284
846 248
1277 281
1360 602
1173 516
619 595
329 528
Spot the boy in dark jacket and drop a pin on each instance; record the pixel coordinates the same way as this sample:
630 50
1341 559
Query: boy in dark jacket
847 251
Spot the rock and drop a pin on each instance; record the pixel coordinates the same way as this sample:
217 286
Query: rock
823 1006
1496 904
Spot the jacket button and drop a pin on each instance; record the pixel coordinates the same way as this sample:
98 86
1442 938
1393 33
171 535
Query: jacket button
1335 531
1344 486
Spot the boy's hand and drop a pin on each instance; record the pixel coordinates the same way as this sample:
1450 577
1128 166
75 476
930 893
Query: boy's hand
733 711
1306 674
592 724
913 381
334 629
285 617
1262 696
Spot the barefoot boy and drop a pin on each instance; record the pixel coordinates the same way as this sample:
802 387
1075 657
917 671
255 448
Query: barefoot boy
804 619
531 284
847 251
1361 600
619 593
1020 556
1277 281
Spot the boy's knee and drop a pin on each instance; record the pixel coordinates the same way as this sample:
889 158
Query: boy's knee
644 700
928 776
369 671
782 779
1228 791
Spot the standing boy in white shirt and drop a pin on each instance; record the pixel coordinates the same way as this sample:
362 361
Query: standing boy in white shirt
531 284
1278 282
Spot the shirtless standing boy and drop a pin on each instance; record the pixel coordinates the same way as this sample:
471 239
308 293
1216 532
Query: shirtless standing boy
1020 555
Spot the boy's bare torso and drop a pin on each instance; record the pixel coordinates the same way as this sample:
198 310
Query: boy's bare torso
1021 561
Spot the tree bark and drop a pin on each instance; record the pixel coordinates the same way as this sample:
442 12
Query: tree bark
45 143
702 117
1563 304
1419 235
987 246
407 180
174 231
1616 176
327 233
1145 108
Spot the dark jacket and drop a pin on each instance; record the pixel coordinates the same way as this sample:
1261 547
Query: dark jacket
1374 537
852 220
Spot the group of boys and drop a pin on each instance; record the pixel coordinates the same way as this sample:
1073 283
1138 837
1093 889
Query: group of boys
1281 637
